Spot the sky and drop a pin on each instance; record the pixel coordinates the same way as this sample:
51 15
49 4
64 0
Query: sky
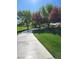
34 5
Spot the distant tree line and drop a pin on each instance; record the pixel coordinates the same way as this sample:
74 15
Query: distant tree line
46 15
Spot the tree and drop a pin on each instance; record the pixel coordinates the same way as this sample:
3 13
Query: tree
44 14
45 10
20 17
37 18
49 7
55 15
25 16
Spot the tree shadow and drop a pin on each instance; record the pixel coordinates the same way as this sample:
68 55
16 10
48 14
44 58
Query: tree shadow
48 30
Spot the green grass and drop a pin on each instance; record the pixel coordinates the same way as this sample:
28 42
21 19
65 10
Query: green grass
51 41
21 28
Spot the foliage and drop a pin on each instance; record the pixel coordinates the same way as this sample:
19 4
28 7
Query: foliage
25 17
45 15
37 18
49 7
45 10
55 15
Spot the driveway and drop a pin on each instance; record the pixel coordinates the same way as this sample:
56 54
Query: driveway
28 47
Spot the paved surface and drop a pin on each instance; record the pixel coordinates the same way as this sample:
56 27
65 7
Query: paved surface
28 47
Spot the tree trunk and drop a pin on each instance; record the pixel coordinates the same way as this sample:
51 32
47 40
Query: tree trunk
48 24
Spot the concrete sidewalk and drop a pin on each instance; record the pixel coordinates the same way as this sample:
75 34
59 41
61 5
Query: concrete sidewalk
28 47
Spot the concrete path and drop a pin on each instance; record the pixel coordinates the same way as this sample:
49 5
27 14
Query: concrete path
28 47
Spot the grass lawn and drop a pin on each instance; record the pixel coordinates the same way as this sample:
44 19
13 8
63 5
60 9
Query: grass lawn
51 41
21 28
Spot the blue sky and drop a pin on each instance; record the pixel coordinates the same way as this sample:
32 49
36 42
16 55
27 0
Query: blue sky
34 5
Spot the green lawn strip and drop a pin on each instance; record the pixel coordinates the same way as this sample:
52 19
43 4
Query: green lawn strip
21 28
52 42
